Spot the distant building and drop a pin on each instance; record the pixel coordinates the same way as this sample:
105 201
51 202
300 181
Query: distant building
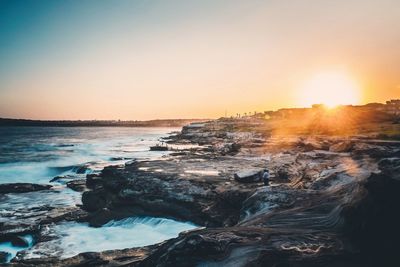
391 107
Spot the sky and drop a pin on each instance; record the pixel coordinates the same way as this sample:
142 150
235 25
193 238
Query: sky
145 59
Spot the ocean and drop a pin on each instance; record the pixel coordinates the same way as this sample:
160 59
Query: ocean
38 154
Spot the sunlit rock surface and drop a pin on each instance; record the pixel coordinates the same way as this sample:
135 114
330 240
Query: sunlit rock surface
332 201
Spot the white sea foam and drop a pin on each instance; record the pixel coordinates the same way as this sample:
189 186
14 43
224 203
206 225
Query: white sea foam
39 154
36 155
203 172
74 238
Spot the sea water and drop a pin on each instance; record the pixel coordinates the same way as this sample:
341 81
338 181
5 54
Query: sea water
126 233
37 154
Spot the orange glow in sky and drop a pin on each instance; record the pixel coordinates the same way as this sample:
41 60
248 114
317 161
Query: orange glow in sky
331 89
142 60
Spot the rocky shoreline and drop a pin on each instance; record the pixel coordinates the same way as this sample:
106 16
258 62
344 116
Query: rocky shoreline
333 201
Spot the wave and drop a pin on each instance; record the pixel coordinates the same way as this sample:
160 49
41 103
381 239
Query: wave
153 221
13 250
74 238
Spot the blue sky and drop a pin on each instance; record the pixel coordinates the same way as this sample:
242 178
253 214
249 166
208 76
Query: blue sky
71 59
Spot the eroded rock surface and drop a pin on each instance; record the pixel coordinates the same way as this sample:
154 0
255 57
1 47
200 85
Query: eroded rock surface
332 202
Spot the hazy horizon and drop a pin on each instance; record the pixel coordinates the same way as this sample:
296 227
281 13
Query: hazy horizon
142 60
177 118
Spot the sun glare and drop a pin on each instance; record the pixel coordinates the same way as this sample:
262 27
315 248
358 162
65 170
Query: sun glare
330 89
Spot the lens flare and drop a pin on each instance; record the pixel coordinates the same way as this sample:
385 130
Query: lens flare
331 89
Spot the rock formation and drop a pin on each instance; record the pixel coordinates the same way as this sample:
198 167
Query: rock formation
331 202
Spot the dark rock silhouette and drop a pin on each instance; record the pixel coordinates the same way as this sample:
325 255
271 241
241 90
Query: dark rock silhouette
22 187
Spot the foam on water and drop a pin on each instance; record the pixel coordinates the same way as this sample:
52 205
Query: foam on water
203 172
75 238
13 206
36 155
12 250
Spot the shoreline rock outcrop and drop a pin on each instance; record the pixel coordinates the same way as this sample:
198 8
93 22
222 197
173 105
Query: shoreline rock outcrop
331 202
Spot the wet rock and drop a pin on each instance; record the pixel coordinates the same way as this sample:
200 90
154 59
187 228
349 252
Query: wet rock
18 241
119 158
112 171
93 200
111 258
93 179
318 219
82 169
249 176
115 184
101 217
159 148
4 256
78 185
22 187
62 178
340 147
201 198
131 163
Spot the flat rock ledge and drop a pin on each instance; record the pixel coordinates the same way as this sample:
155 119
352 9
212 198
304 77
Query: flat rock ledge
331 203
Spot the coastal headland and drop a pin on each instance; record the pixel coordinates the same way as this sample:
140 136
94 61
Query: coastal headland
333 198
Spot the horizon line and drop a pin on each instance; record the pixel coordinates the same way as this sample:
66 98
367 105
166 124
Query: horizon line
166 119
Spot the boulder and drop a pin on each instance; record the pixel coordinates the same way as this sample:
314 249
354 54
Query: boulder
22 187
340 147
100 217
78 185
93 179
249 176
112 171
93 200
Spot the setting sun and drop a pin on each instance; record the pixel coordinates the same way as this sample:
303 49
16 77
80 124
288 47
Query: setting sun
331 89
